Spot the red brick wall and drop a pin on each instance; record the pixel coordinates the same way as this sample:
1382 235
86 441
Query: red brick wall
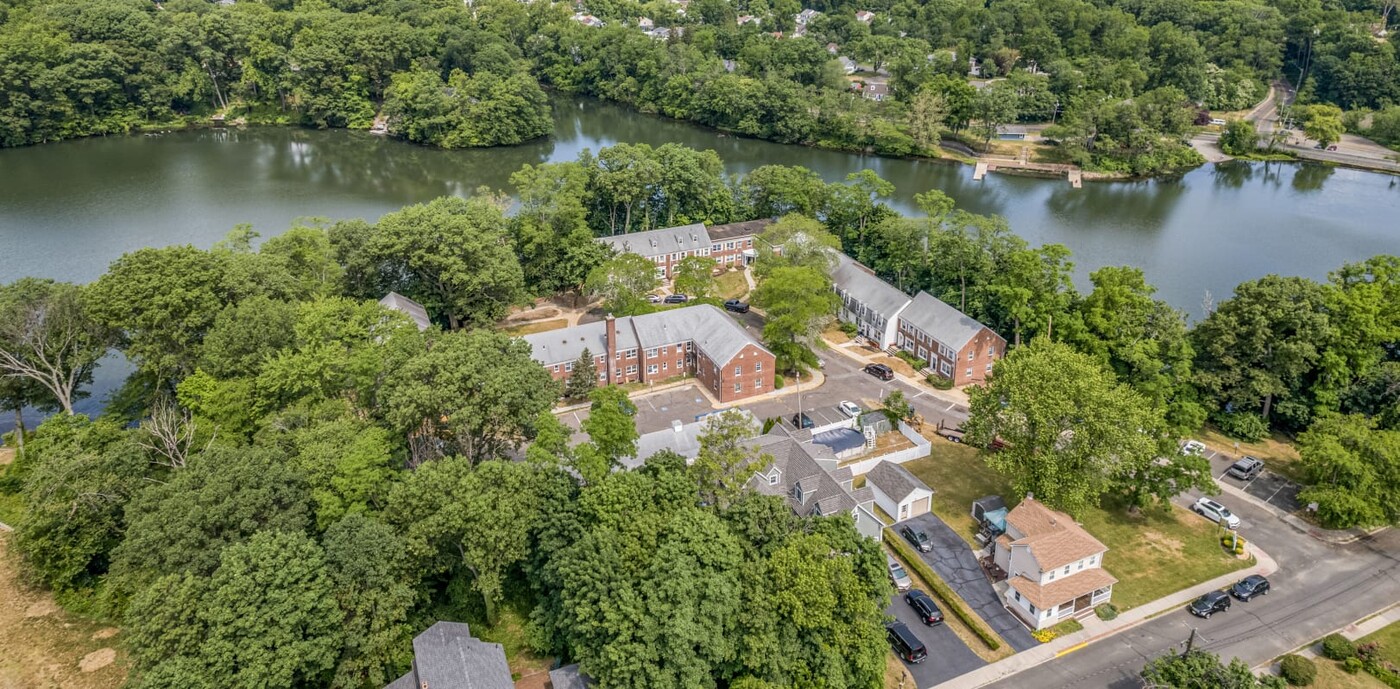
755 376
985 348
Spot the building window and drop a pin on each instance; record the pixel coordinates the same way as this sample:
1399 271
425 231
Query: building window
730 245
651 353
632 370
989 368
773 479
1017 594
1081 564
1093 560
969 373
970 354
1052 576
663 349
1066 569
665 365
556 368
738 370
758 367
738 387
618 356
569 367
651 369
714 247
603 376
1032 608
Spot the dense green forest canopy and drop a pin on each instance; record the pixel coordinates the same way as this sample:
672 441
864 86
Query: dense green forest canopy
294 478
1125 79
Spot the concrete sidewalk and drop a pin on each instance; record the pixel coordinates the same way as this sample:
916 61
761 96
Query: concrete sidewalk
1352 632
1097 630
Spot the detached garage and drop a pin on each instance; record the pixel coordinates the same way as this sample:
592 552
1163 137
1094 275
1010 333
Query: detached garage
899 493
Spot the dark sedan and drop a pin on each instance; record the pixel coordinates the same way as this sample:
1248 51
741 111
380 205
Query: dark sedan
922 604
1209 604
1249 587
676 299
918 538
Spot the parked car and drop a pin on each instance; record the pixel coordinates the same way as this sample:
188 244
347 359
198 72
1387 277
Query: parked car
1246 468
1209 604
654 298
905 644
1249 587
918 538
736 306
880 371
802 421
901 579
1215 512
1333 147
676 299
850 408
1193 447
928 611
1217 122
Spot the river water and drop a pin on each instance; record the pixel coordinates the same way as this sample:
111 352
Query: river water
68 209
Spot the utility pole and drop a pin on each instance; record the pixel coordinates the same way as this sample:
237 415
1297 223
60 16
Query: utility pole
1190 643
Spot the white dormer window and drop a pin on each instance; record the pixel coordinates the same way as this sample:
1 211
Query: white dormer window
773 478
1052 576
1066 569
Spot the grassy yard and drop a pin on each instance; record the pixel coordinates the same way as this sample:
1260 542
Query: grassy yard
1389 637
1153 554
536 327
1277 451
731 285
1330 675
896 675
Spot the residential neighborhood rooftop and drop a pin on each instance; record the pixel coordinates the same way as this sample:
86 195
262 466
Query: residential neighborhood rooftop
895 481
1055 539
447 656
667 240
398 302
941 321
866 287
714 332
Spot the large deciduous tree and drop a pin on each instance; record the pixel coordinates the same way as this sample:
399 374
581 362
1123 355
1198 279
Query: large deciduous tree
623 282
724 455
1353 471
475 393
1071 431
453 255
799 303
47 336
1203 670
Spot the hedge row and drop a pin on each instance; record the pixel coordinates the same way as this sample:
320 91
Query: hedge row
951 602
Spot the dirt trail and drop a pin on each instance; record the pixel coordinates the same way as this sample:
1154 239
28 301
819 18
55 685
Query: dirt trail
42 647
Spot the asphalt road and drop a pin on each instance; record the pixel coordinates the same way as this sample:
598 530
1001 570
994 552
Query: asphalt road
1319 588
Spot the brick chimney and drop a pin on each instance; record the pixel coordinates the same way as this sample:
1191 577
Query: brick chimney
610 347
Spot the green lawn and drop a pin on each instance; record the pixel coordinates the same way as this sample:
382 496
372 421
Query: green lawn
1330 675
1389 636
731 285
1153 554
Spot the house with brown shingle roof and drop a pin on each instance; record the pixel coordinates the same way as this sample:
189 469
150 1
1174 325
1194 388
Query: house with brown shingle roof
1054 567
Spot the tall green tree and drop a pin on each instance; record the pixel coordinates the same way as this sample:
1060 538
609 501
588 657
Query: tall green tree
1071 431
369 569
454 256
1203 670
624 281
1353 471
584 378
694 276
725 453
611 426
799 303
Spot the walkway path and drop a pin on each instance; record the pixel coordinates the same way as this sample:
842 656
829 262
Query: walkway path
1097 630
1352 632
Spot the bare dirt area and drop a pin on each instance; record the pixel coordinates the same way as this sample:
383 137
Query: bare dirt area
44 647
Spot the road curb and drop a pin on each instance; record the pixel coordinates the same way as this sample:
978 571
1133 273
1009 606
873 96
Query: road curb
1305 649
1316 532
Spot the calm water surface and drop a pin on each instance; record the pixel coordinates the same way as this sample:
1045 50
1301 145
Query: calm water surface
68 209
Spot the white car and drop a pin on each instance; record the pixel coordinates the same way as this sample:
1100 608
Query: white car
1193 447
1216 512
901 579
851 408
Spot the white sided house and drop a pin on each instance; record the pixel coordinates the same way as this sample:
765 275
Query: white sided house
1054 567
899 493
871 303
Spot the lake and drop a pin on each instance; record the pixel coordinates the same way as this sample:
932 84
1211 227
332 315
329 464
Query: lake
68 209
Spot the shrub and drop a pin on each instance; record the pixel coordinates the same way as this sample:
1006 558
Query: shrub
778 383
1106 611
1368 651
1299 671
940 382
1338 647
1244 426
1352 665
849 328
1043 635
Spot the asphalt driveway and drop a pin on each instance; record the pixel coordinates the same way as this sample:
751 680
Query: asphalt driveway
953 560
948 656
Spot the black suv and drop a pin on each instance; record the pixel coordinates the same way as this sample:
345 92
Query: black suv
736 306
906 645
802 421
928 611
1247 468
1249 587
880 371
1209 604
676 299
918 538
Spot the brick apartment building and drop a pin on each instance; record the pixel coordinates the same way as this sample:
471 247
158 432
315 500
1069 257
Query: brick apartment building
951 343
701 341
726 244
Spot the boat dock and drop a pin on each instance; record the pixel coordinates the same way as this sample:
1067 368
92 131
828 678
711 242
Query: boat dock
1072 173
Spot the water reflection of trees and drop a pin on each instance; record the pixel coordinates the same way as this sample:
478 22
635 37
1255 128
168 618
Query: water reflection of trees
1143 206
1311 176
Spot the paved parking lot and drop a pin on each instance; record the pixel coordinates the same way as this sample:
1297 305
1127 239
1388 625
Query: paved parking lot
1268 486
948 656
953 560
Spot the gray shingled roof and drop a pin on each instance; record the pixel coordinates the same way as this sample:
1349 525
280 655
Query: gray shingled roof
797 465
660 242
569 677
713 331
413 309
684 442
566 344
895 481
720 233
942 322
864 286
447 656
